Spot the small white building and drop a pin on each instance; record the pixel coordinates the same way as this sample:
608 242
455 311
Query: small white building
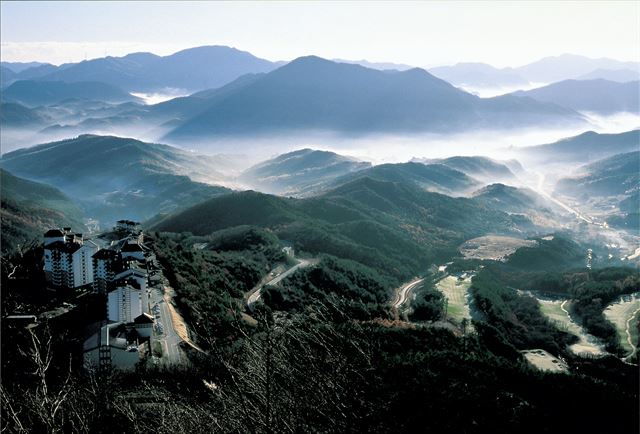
68 258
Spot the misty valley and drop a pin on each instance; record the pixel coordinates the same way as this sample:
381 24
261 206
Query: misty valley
210 241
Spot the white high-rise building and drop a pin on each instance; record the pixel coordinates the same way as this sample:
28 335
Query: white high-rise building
106 264
68 258
127 302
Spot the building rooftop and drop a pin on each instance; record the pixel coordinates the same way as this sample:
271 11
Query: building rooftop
131 247
145 318
51 233
105 254
64 247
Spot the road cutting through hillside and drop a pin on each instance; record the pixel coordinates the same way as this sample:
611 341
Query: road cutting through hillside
177 322
401 294
255 294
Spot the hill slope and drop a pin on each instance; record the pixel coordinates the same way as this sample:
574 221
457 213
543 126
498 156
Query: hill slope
17 115
508 199
619 75
33 93
585 147
301 171
478 167
393 226
30 208
432 177
116 178
616 175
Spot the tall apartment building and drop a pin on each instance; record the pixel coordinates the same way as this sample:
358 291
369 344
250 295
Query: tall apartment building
127 302
106 264
68 259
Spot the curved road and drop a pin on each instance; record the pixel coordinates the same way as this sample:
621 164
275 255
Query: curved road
256 292
629 340
401 294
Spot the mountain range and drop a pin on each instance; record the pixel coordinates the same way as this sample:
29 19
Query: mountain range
546 70
392 226
314 94
35 93
479 75
598 95
585 147
566 66
192 69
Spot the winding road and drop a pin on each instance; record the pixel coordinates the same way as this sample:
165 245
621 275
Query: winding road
401 294
629 340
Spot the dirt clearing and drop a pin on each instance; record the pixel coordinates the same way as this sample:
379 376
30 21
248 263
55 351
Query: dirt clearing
493 247
545 361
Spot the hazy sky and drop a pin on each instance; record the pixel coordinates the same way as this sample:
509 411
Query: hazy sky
417 33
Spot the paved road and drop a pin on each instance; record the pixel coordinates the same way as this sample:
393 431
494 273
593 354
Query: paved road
13 272
402 293
540 190
170 340
629 340
256 292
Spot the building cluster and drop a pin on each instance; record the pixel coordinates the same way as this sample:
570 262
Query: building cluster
119 271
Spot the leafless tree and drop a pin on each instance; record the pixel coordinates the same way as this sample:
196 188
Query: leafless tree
297 374
46 404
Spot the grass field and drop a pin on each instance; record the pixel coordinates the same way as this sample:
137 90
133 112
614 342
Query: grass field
554 311
455 291
623 313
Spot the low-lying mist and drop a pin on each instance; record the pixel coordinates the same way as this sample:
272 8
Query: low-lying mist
161 96
394 148
376 148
